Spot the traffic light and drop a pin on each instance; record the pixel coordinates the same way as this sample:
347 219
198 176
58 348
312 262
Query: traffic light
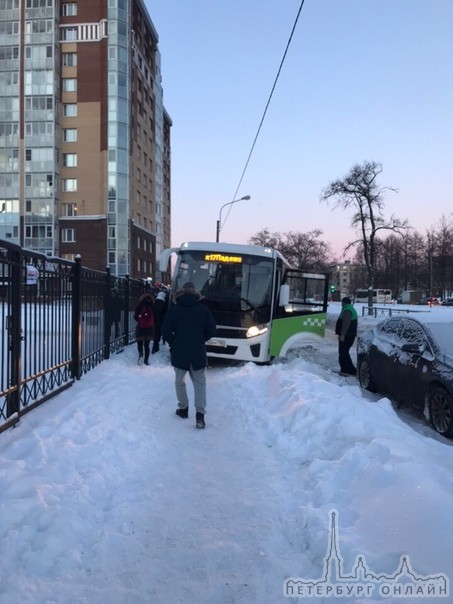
333 289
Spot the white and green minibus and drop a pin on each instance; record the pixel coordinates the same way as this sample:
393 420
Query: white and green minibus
262 306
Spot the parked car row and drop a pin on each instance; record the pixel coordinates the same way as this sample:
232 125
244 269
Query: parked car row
425 300
411 360
429 300
433 301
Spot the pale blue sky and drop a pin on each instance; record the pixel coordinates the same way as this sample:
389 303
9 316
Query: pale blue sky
362 80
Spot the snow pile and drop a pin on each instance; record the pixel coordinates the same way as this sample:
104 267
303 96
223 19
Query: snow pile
109 498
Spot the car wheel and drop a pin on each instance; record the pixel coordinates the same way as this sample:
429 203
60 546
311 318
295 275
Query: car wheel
366 379
440 407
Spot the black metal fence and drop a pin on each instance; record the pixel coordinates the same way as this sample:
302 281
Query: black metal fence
58 321
384 312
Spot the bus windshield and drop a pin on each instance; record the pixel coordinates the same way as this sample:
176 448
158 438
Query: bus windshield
236 288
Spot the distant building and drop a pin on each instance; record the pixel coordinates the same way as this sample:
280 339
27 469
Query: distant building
346 278
84 135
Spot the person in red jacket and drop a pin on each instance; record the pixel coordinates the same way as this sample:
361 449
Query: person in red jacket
186 327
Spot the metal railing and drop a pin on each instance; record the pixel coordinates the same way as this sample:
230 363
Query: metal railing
384 312
56 325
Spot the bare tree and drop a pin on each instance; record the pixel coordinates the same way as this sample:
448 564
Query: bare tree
443 259
359 189
266 239
306 250
302 250
415 275
390 263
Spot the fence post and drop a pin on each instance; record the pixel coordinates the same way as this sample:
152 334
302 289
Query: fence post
107 311
15 326
127 293
76 344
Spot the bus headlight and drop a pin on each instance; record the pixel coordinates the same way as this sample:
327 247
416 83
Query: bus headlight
256 330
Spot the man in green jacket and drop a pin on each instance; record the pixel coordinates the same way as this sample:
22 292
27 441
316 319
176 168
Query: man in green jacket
346 330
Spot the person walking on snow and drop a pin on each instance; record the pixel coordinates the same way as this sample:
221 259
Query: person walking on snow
144 331
187 326
346 330
160 309
114 311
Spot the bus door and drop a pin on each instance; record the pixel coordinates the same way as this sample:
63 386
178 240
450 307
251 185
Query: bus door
300 311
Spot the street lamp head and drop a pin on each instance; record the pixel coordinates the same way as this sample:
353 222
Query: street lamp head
219 221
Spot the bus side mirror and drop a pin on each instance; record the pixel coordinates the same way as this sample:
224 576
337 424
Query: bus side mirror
284 295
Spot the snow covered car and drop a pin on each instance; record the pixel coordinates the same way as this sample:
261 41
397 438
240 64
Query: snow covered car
411 360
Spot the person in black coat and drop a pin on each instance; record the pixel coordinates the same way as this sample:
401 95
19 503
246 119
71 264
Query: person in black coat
160 308
114 311
346 330
144 331
187 326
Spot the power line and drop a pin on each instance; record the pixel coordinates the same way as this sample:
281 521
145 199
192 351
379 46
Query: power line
268 103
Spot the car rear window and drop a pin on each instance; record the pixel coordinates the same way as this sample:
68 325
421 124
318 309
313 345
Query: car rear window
391 327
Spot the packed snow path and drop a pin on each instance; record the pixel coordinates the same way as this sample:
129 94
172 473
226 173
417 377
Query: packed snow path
109 498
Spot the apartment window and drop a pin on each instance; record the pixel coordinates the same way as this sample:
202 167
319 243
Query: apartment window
70 59
69 34
70 110
34 3
70 135
8 27
38 26
69 9
8 53
70 160
69 209
38 231
68 235
27 154
69 185
69 84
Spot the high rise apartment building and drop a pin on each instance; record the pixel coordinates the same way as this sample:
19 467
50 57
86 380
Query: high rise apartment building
84 135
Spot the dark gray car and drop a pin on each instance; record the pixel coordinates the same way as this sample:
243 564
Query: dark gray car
411 360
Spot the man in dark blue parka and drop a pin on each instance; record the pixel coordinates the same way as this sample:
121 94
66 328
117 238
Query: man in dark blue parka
186 327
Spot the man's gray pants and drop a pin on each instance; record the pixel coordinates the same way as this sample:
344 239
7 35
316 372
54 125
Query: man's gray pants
198 378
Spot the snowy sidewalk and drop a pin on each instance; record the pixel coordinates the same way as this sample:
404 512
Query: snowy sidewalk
114 499
109 498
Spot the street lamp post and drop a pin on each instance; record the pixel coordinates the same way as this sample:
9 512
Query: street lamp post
219 221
